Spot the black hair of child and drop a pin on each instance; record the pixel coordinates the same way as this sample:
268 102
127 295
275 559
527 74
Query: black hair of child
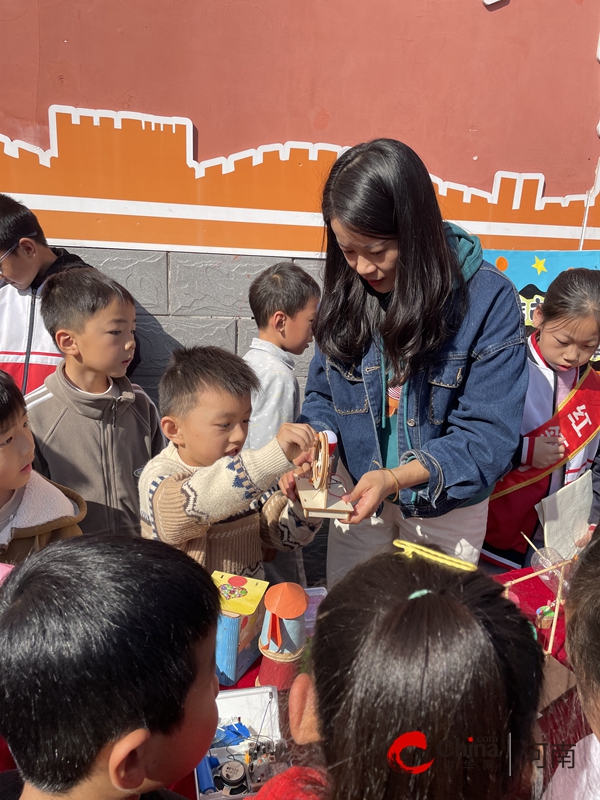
196 369
583 627
12 404
72 297
17 222
573 294
457 662
282 287
98 637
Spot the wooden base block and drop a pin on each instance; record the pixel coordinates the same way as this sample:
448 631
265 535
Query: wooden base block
320 503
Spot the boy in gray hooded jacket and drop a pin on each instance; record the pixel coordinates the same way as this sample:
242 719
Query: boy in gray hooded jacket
94 431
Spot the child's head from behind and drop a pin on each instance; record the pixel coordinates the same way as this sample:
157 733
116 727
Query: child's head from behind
284 300
16 441
407 645
91 317
205 397
107 664
23 248
569 319
583 631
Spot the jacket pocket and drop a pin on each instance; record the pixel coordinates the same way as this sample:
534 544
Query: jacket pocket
348 391
444 379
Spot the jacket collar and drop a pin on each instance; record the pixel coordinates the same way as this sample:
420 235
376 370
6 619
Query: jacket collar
64 259
100 406
44 507
535 354
268 347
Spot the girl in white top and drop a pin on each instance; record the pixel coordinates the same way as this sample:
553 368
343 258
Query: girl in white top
561 421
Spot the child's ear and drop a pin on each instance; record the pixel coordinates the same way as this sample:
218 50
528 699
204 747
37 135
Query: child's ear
126 761
170 428
304 722
537 317
278 321
66 343
29 247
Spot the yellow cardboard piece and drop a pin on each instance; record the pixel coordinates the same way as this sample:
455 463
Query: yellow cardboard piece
239 595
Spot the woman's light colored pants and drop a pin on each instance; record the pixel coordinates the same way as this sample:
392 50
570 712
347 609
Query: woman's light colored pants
458 533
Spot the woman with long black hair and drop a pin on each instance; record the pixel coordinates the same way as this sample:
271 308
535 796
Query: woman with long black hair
420 367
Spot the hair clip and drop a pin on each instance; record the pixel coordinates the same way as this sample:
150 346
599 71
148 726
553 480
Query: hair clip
410 548
419 593
534 629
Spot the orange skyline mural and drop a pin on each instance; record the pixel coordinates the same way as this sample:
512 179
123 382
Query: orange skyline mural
127 179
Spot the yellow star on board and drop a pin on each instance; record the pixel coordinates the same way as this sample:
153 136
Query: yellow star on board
539 265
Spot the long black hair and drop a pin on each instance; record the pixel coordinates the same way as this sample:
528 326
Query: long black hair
403 645
382 188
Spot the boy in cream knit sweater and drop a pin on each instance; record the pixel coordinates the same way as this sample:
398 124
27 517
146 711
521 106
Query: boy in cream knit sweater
202 494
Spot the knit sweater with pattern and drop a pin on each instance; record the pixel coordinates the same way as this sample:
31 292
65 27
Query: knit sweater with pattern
206 511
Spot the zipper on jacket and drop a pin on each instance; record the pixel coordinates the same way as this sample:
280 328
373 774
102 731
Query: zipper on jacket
113 408
112 504
29 341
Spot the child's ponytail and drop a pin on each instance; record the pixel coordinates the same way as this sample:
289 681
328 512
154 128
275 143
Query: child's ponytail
407 646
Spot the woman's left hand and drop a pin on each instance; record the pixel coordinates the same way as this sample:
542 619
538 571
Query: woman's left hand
369 493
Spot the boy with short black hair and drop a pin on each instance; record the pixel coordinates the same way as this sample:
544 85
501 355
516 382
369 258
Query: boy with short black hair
93 429
33 511
202 493
27 351
284 300
26 260
107 669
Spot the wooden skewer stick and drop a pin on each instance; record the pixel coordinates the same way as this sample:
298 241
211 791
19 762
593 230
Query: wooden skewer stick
539 572
556 611
529 542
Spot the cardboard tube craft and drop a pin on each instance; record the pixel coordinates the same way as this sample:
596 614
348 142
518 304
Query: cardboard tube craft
283 637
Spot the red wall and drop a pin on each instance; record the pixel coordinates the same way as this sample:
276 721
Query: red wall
473 89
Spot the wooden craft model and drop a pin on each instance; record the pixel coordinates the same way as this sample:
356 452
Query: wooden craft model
315 492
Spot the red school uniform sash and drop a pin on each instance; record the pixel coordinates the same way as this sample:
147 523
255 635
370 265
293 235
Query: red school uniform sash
578 420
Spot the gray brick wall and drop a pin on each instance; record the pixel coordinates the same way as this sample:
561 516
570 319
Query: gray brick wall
188 299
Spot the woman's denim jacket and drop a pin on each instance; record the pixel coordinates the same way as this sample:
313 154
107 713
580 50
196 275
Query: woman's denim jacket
460 416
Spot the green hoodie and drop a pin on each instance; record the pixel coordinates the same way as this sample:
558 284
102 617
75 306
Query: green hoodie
467 249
